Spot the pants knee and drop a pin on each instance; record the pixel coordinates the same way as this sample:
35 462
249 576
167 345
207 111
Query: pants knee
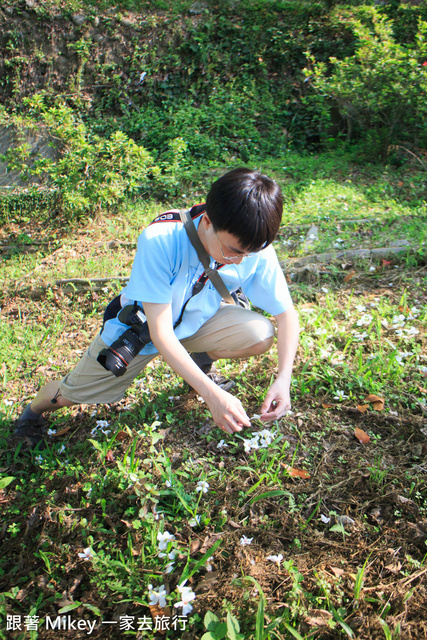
261 334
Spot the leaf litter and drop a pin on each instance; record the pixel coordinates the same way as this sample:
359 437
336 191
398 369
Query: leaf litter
380 488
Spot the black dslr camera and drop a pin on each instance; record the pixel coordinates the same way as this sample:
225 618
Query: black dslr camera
116 357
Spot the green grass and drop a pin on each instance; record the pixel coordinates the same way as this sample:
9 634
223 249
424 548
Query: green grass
348 519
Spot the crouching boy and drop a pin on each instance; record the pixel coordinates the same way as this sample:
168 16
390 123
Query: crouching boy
175 310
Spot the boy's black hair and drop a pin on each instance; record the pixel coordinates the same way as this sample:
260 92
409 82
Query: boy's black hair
248 205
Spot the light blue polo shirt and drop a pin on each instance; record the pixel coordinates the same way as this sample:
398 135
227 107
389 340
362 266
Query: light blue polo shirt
166 267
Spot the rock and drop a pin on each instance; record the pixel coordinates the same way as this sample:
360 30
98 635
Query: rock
198 7
346 522
79 19
126 22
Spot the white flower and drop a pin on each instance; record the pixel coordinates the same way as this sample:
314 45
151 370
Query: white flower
170 555
411 331
51 432
39 459
169 567
87 554
372 268
8 403
203 486
324 519
245 541
164 539
133 478
278 559
398 320
221 445
187 596
364 320
255 416
157 596
361 307
208 567
360 336
61 449
168 483
194 522
340 395
102 424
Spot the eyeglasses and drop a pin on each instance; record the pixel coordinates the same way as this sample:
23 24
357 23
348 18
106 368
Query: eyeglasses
231 258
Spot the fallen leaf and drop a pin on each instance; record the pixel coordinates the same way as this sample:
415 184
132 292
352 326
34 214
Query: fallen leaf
61 432
373 398
337 572
325 405
403 309
207 582
121 435
394 567
349 276
158 612
400 183
110 456
318 617
296 473
235 525
385 263
378 406
361 436
362 408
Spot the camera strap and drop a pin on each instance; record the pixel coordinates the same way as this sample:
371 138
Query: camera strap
203 256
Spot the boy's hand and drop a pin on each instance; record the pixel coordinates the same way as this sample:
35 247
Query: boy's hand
277 401
227 411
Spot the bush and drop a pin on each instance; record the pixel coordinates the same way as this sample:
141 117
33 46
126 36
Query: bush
380 90
91 172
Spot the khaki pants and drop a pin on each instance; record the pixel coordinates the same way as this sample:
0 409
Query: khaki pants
232 328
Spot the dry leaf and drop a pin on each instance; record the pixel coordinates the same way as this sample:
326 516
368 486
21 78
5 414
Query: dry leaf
362 408
296 473
400 183
378 406
403 309
349 276
337 572
373 398
61 432
110 456
325 405
394 567
121 435
361 436
318 617
158 612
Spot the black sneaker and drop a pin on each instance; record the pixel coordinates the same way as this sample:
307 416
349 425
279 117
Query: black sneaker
31 429
212 372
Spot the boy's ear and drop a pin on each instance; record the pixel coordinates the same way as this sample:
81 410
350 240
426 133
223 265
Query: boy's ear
206 221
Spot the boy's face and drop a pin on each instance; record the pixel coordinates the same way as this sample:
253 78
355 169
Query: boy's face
222 246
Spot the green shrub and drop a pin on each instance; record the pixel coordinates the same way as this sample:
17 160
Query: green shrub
91 172
380 91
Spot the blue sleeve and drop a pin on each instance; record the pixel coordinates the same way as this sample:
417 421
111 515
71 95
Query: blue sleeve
266 287
153 268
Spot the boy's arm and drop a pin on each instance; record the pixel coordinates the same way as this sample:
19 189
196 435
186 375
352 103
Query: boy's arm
277 400
227 411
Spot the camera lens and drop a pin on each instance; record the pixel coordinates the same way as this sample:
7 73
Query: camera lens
117 357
